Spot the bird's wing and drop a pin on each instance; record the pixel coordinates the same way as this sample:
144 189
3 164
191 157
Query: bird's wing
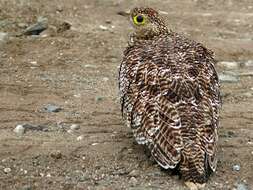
156 94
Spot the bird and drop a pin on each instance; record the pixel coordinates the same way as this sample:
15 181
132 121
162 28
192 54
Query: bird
170 97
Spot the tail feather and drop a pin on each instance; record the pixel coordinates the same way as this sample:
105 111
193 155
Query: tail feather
194 167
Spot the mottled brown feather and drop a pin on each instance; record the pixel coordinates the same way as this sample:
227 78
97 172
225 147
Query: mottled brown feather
170 97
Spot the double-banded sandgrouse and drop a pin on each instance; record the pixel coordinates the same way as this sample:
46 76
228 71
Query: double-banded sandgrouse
170 97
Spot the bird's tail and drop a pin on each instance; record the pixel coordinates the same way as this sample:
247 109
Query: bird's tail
194 166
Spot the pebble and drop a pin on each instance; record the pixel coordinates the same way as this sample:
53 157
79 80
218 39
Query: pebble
230 78
79 138
133 181
22 25
70 131
236 167
37 28
19 130
249 63
24 171
104 28
52 108
124 13
98 98
3 36
241 186
64 26
7 170
90 66
163 12
56 155
74 127
35 127
134 173
229 65
108 22
105 79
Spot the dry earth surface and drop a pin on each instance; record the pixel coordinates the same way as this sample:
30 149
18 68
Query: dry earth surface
76 70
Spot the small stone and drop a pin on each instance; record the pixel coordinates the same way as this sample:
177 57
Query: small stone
163 12
230 78
37 28
35 63
56 155
231 134
35 127
3 36
52 108
134 173
108 22
236 167
22 25
90 66
133 181
249 63
74 127
19 130
79 138
98 98
77 95
104 28
242 186
70 131
7 170
64 26
229 65
124 13
105 79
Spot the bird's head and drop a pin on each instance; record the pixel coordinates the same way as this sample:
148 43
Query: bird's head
147 23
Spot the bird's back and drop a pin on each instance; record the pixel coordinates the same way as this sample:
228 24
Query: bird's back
170 98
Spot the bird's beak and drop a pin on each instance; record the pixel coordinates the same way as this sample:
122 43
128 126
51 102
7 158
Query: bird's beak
124 13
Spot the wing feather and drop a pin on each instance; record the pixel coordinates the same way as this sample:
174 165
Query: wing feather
171 100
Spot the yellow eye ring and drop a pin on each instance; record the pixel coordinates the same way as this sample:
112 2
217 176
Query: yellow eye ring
139 20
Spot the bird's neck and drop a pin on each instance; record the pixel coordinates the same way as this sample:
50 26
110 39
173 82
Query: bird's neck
143 36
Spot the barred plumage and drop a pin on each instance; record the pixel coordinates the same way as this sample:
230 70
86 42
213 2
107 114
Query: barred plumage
169 92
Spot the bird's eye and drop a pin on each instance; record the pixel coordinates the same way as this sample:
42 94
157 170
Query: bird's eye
139 19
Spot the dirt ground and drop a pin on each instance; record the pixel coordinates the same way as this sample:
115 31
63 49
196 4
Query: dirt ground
77 70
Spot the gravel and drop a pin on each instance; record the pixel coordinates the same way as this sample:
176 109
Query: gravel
228 77
236 167
74 127
52 108
37 28
3 36
7 170
241 186
229 65
79 138
19 130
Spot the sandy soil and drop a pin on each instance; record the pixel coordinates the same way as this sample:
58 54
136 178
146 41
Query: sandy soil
77 69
